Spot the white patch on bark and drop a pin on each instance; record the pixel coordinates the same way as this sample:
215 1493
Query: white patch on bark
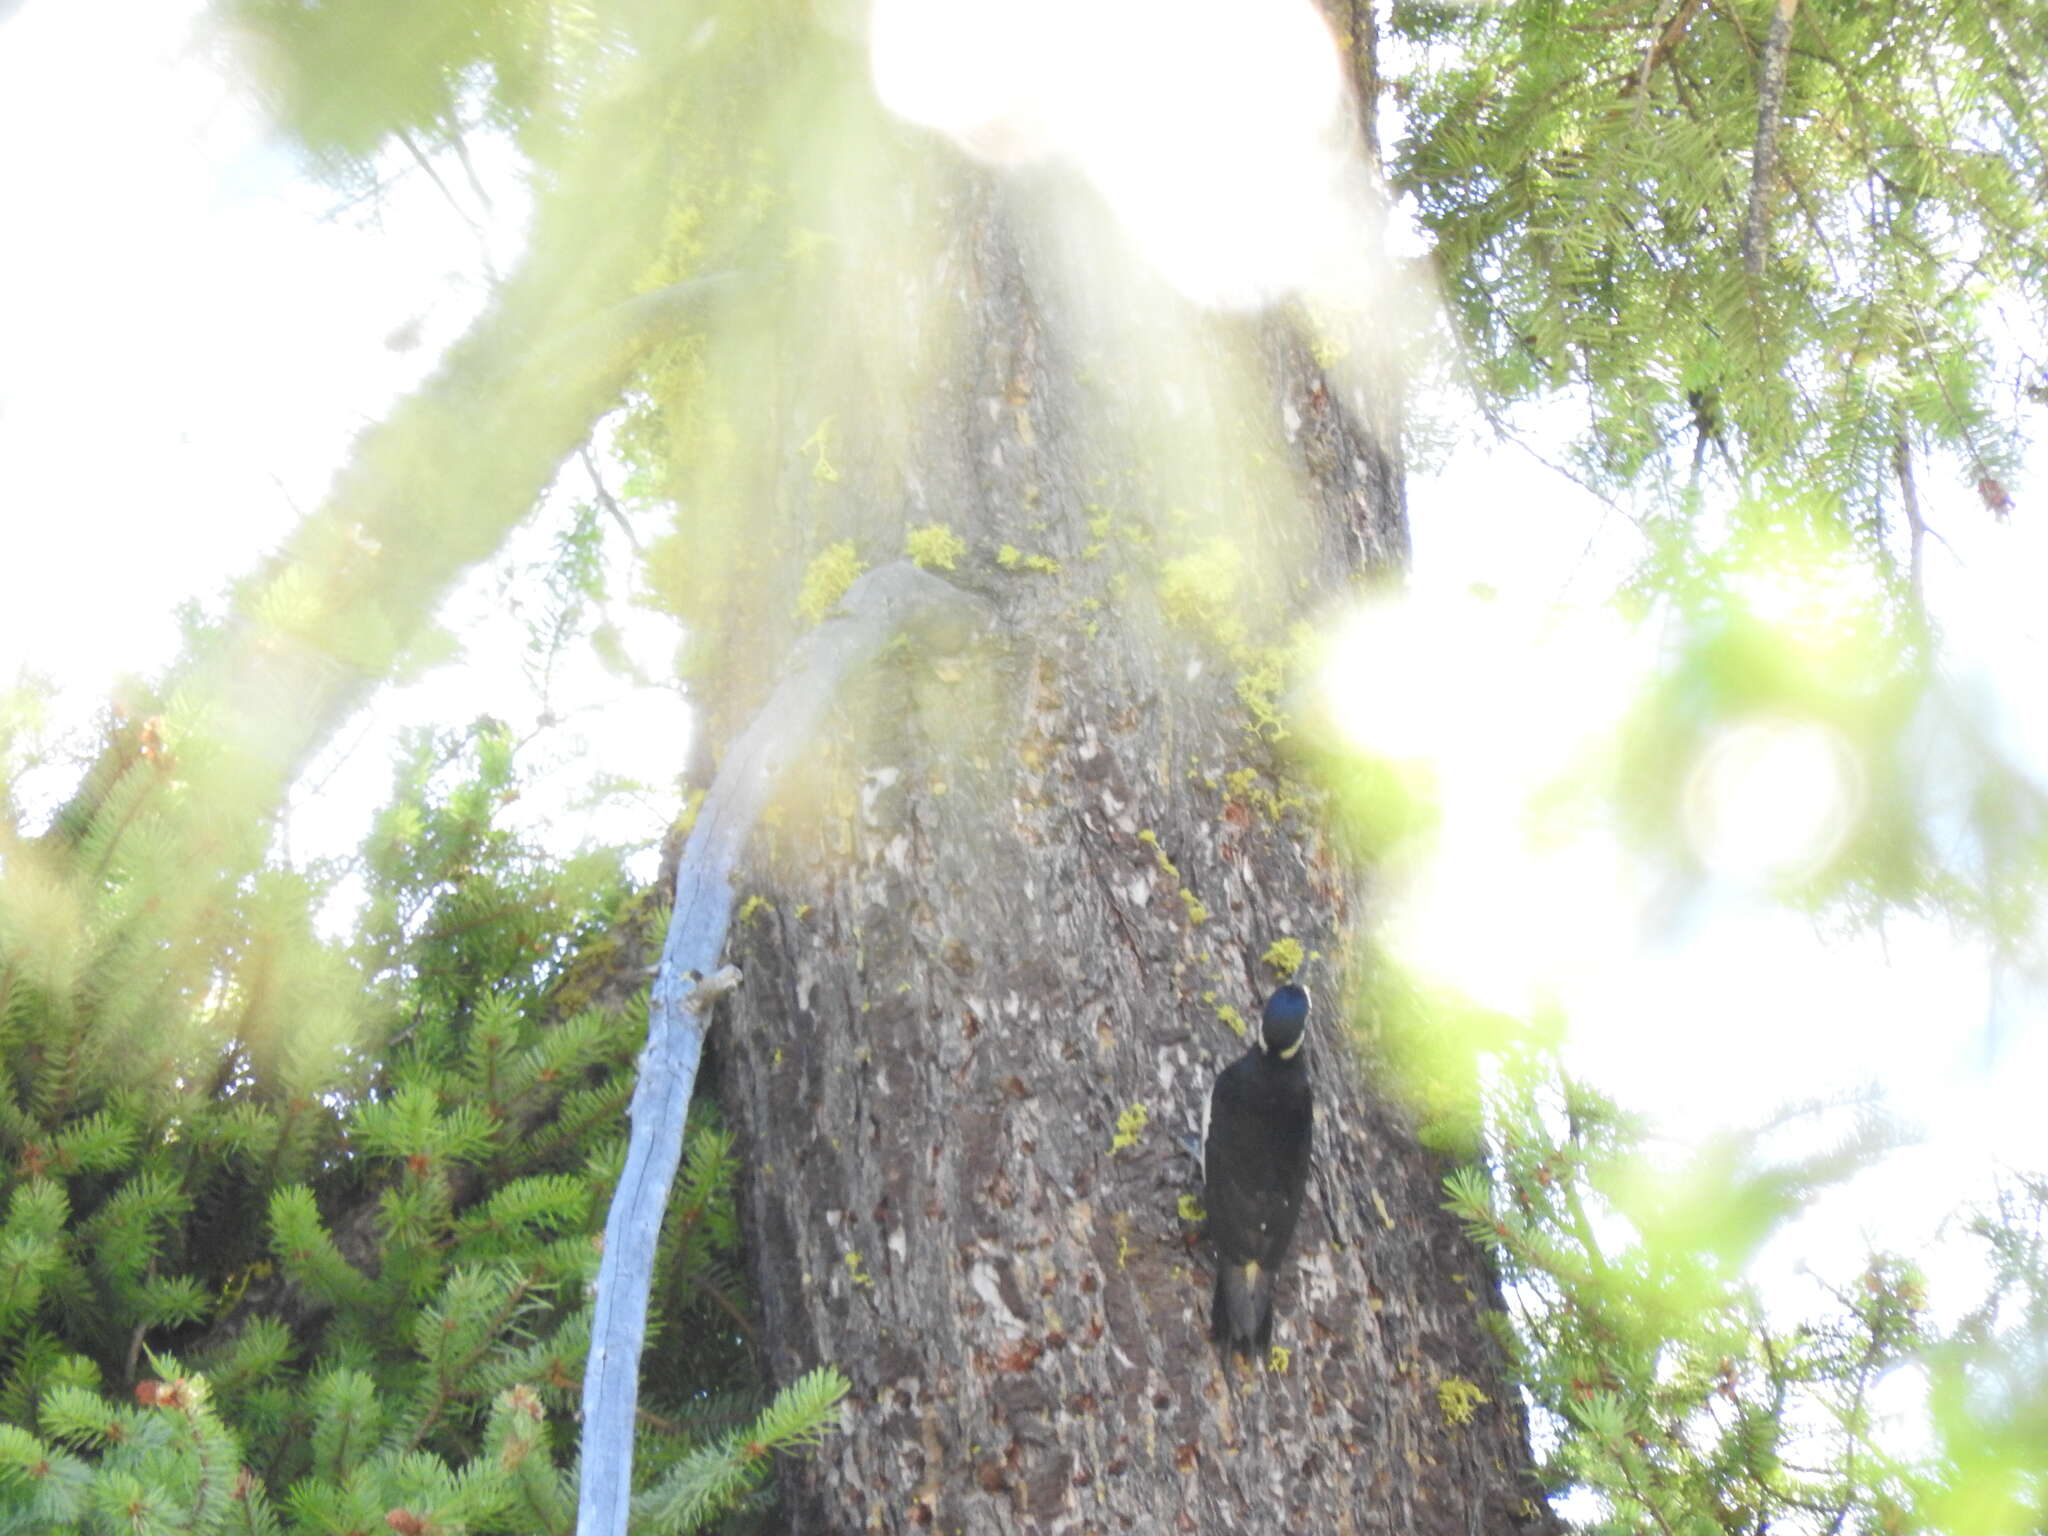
878 780
983 1281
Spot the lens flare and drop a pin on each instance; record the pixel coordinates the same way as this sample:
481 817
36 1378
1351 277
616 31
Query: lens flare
1773 799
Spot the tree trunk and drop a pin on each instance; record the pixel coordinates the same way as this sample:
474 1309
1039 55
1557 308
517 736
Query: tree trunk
1001 923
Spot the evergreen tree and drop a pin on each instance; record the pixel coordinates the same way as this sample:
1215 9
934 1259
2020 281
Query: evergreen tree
261 1274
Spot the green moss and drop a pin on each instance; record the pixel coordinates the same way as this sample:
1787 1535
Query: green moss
935 547
752 907
819 446
826 579
1011 558
1458 1399
1243 786
688 820
1151 840
1266 672
1202 592
1199 592
1279 1357
1260 687
856 1270
1197 913
1234 1019
1129 1126
1191 1210
1284 956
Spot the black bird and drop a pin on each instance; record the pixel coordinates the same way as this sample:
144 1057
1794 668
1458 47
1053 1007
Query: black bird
1255 1142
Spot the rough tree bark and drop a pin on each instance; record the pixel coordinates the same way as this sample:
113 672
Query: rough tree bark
1020 889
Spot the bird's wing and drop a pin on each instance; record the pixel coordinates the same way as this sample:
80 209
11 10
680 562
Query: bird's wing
1235 1174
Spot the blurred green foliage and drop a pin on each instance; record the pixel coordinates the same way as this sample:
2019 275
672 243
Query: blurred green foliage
264 1272
1989 1378
1668 1396
1664 1389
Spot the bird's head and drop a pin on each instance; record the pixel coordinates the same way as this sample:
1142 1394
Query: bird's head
1283 1021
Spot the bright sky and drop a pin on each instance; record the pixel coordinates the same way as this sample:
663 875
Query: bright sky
189 340
187 346
1737 1007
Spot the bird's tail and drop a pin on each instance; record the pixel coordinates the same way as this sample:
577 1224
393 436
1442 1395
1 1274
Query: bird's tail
1241 1316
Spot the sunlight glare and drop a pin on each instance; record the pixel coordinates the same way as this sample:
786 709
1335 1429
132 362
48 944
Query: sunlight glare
1517 691
1773 798
1500 703
1384 697
1819 603
1216 129
973 69
1514 927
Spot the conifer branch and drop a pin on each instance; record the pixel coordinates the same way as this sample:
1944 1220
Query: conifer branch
425 163
1635 1488
1675 17
606 500
1763 162
1916 525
